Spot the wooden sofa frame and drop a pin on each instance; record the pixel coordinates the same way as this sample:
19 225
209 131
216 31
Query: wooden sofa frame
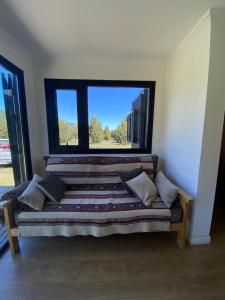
180 227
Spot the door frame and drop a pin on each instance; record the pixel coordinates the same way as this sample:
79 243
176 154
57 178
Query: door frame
23 109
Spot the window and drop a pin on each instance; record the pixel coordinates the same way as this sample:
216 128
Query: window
67 117
93 116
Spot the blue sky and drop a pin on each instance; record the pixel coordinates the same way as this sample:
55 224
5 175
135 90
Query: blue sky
66 104
110 105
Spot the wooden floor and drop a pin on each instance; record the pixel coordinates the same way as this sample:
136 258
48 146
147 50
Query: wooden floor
141 266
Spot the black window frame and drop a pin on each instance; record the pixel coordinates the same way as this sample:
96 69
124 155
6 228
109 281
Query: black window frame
23 110
81 86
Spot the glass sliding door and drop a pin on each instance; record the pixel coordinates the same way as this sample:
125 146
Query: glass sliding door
15 165
6 170
15 162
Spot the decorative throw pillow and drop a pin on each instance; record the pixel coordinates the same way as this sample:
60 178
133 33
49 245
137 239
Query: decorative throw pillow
167 190
143 188
128 175
32 196
52 187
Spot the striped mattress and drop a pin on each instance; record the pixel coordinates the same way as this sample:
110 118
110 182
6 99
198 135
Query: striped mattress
97 169
96 202
97 210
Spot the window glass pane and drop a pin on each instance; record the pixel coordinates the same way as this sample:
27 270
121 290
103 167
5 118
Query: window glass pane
6 170
117 117
67 117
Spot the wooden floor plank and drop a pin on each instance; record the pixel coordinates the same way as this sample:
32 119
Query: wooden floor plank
137 266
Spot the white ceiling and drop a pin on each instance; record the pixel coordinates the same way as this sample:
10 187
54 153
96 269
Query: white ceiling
112 29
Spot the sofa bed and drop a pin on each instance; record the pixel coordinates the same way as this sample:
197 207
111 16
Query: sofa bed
96 202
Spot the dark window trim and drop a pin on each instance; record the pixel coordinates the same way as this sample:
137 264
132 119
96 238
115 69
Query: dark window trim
22 96
51 85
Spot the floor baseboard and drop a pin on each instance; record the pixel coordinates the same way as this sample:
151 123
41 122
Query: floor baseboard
200 240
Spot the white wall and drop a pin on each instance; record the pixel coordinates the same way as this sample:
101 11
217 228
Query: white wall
213 124
184 107
17 55
100 69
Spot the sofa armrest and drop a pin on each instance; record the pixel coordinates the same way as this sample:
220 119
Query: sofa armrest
5 203
181 227
9 199
6 206
185 200
15 192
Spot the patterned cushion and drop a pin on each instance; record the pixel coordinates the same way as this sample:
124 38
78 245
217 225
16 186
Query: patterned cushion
86 169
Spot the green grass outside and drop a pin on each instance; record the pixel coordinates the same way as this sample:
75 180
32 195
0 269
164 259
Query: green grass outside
110 144
6 175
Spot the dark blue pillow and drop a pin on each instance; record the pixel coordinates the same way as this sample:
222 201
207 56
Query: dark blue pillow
53 187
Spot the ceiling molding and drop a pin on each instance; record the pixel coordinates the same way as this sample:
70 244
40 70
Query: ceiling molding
202 23
13 43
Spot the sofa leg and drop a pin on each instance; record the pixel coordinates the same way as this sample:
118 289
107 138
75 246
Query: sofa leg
13 240
181 238
14 245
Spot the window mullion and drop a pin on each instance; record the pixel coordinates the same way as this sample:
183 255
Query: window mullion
83 131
